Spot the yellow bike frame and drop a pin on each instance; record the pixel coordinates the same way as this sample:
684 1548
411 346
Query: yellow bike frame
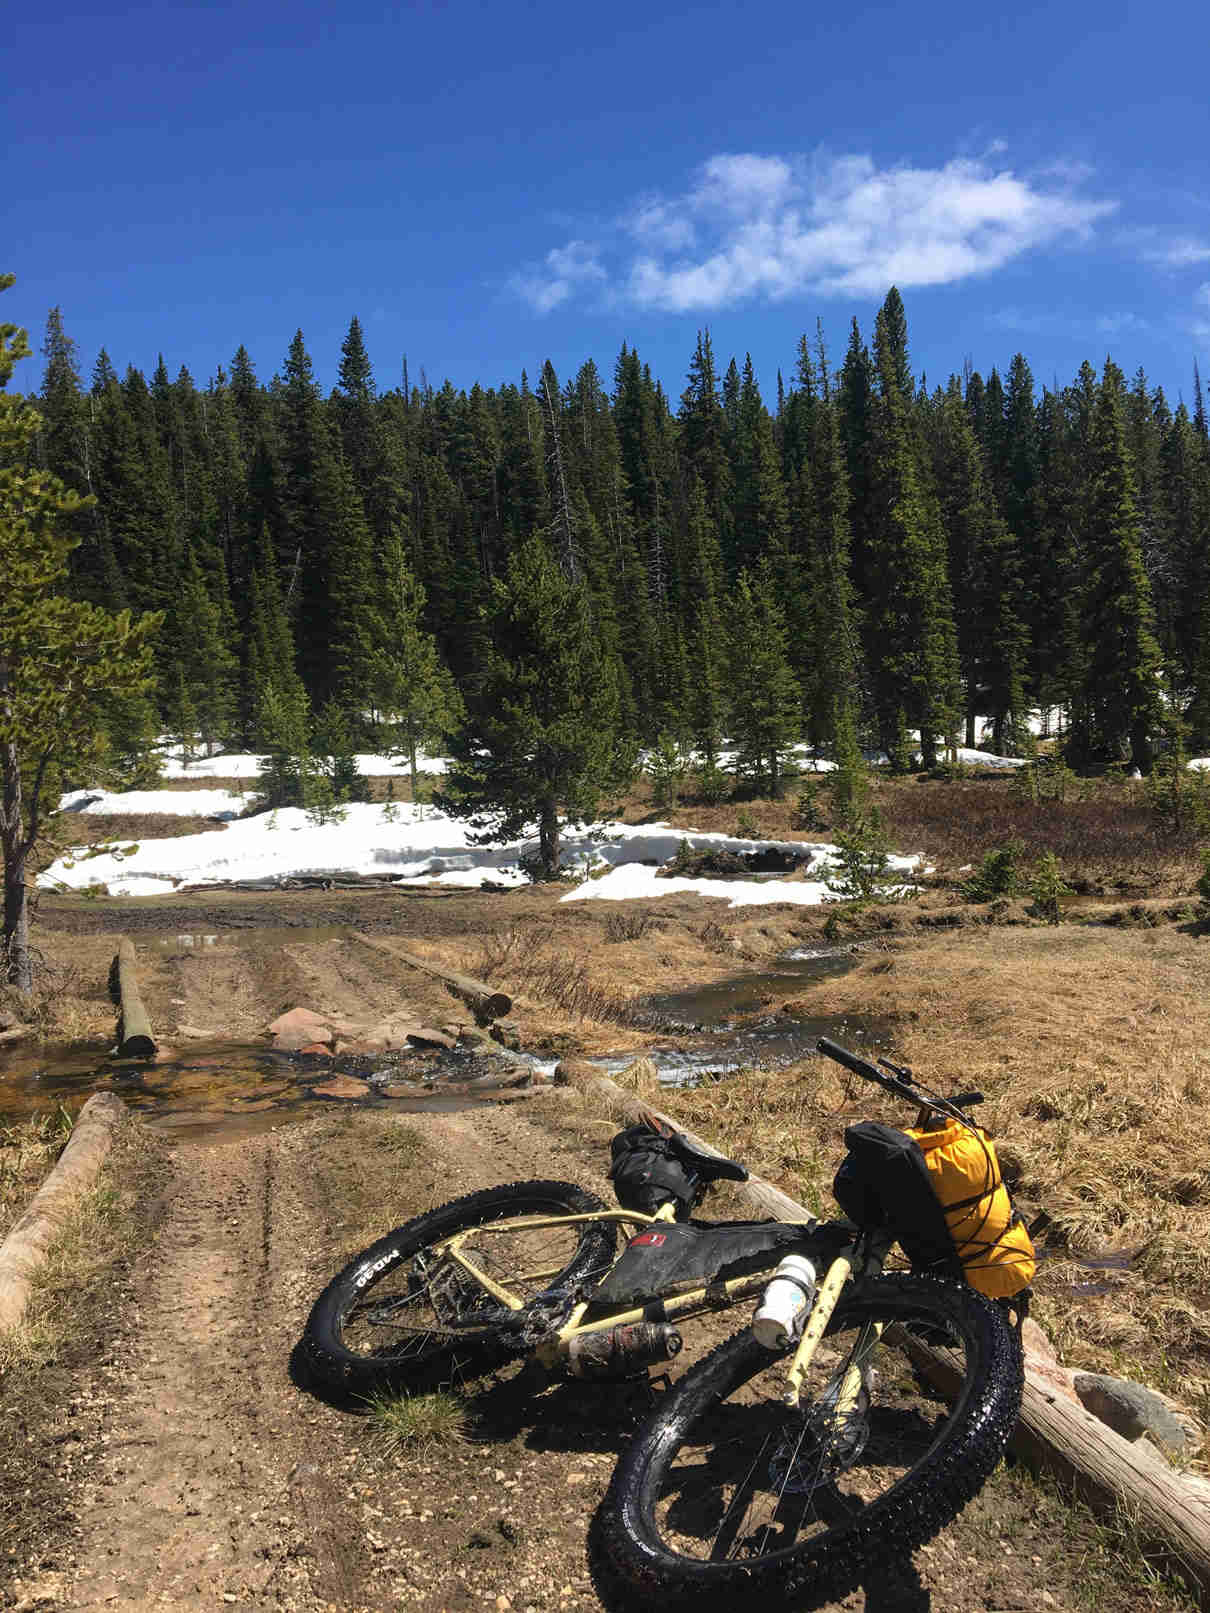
554 1347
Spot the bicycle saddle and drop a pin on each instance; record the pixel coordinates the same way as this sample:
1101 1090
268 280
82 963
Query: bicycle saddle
707 1167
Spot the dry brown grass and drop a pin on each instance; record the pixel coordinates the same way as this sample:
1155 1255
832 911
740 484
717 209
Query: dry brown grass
1093 1050
28 1149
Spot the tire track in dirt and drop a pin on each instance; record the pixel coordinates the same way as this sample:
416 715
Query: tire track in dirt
228 1500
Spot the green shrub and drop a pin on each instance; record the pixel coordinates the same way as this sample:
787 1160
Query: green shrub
666 770
861 864
1047 888
998 875
807 816
713 785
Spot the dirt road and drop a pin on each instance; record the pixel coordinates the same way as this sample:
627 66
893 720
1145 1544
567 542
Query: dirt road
192 1472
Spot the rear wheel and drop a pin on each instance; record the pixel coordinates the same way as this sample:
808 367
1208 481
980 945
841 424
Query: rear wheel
726 1490
403 1313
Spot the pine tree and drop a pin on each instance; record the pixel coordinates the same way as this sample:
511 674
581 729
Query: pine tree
541 734
268 645
826 657
910 633
56 656
765 709
411 686
984 572
707 654
1119 699
203 664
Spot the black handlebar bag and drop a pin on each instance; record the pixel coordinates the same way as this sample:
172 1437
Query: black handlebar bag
884 1182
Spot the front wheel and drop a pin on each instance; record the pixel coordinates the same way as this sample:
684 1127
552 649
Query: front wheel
403 1313
727 1491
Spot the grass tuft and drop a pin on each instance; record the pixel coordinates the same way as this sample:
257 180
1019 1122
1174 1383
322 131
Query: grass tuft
414 1423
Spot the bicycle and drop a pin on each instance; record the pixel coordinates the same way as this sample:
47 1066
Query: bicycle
805 1451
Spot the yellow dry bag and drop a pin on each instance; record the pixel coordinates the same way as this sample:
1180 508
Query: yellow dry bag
996 1252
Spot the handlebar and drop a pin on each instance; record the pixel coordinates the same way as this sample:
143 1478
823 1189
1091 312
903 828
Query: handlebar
892 1083
897 1081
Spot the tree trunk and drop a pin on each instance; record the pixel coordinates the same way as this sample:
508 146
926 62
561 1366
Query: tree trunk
14 953
548 839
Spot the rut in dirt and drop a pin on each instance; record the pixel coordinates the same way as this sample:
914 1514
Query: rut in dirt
212 1486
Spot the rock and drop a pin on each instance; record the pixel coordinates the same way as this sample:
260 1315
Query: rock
401 1089
1051 1378
507 1033
426 1036
320 1048
194 1033
297 1017
390 1035
342 1086
298 1029
357 1046
1130 1409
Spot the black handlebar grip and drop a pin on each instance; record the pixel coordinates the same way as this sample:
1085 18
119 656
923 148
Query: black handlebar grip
867 1071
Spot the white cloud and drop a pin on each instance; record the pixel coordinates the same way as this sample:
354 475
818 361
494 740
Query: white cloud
564 270
769 227
1182 252
1116 324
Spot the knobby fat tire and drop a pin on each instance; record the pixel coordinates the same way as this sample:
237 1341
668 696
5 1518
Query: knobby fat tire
633 1566
338 1367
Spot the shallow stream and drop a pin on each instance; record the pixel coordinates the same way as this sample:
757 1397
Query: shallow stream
209 1088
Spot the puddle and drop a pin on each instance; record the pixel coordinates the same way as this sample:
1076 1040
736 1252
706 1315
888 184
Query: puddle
238 935
209 1088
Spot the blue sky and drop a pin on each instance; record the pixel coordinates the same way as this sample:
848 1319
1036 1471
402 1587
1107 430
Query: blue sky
489 185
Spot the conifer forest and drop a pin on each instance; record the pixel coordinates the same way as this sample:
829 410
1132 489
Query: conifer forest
863 555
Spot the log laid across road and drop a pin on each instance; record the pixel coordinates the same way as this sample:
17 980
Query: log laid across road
1170 1510
134 1028
481 999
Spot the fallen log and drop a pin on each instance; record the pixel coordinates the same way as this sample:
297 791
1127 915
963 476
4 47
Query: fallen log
134 1028
485 1003
75 1171
1053 1434
1169 1510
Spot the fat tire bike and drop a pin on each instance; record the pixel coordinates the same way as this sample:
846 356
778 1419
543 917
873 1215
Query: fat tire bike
792 1469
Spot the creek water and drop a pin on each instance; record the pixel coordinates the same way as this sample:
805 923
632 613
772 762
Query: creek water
740 1022
204 1088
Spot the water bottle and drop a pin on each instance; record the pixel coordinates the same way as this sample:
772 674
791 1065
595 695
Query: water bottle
782 1312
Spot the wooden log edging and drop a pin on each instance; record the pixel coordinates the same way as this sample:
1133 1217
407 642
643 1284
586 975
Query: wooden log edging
74 1172
486 1003
1128 1479
135 1040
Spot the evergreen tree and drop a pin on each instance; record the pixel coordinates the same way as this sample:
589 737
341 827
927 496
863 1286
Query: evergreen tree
201 658
706 705
985 578
541 734
910 631
411 686
1119 700
57 656
764 696
268 645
